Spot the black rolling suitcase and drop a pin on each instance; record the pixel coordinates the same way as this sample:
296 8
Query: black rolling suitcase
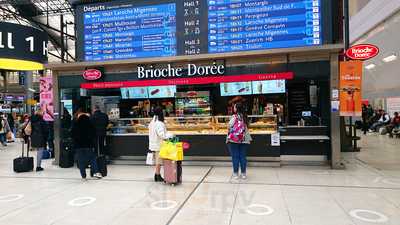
101 162
66 154
23 164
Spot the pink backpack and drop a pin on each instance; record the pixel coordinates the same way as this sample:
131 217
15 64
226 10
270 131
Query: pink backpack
237 131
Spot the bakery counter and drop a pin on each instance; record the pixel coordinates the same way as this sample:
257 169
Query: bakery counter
305 140
204 145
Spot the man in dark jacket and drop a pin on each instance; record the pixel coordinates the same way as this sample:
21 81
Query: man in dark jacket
39 137
100 121
83 135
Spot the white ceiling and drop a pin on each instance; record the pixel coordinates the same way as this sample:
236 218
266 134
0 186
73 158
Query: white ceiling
384 79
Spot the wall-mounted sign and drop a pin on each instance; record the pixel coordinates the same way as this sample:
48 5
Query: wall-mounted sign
350 88
22 47
92 74
190 80
170 72
362 52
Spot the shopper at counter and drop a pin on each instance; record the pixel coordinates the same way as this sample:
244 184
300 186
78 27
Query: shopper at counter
100 121
84 135
238 140
39 137
157 134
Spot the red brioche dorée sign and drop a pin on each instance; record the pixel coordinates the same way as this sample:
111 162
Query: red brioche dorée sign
92 74
362 52
189 81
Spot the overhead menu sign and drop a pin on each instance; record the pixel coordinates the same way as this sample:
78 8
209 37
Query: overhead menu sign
125 29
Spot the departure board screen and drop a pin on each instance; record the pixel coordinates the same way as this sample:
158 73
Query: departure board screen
126 29
140 32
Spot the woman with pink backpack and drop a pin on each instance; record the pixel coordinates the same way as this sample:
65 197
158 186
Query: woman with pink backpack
238 140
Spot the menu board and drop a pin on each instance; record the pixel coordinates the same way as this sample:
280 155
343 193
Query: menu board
269 87
162 91
134 93
235 88
124 29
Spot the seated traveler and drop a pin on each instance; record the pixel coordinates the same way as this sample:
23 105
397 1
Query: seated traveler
384 119
394 125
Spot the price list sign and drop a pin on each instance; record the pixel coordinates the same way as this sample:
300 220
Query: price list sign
133 32
242 25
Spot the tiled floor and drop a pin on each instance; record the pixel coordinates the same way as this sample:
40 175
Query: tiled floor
366 193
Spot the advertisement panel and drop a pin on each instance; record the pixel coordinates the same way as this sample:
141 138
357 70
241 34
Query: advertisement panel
46 98
350 88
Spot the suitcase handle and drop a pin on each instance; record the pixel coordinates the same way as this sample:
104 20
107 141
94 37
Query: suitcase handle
23 148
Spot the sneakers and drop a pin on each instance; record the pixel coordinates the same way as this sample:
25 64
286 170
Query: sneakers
235 176
39 169
242 176
98 175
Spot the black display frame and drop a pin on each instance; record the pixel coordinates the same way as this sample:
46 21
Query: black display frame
327 20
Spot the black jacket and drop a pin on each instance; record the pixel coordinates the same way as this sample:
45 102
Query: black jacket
83 133
40 132
100 121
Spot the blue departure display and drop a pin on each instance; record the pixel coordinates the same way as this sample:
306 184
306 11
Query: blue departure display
240 25
138 32
125 29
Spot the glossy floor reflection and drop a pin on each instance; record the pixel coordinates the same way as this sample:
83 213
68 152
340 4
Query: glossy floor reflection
367 192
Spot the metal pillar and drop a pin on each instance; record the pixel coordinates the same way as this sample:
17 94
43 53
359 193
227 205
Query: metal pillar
57 119
28 91
336 159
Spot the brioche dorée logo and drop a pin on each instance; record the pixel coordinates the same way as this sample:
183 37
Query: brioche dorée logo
362 52
92 74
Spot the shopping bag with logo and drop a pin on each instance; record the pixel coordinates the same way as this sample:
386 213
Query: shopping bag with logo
150 160
171 150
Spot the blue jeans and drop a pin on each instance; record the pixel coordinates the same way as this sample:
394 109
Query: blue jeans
238 154
85 157
39 157
3 139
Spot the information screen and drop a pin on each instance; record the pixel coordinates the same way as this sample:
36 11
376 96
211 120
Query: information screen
162 91
134 93
125 29
235 88
269 87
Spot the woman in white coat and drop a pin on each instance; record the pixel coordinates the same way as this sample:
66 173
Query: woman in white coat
157 134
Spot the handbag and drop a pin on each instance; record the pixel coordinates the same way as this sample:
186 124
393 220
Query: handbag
150 159
28 129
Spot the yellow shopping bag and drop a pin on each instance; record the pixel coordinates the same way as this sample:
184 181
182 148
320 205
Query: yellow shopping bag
171 150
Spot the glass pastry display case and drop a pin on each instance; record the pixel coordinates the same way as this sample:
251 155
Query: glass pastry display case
258 124
193 103
218 125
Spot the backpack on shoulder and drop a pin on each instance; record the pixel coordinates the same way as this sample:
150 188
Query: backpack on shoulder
237 131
